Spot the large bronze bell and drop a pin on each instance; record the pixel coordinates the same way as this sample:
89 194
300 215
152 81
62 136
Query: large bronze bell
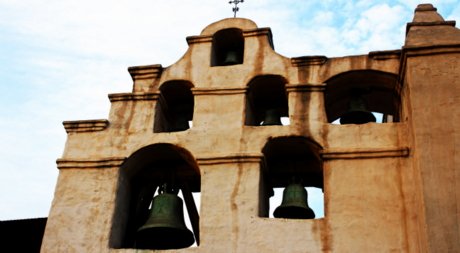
231 58
272 117
165 228
357 112
294 204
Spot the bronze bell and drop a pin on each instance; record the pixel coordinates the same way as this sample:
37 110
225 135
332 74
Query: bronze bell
357 112
165 228
294 204
180 119
231 58
272 117
179 124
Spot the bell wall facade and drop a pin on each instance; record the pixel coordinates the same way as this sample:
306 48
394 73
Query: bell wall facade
202 124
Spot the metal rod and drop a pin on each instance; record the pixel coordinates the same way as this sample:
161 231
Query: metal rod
192 211
235 9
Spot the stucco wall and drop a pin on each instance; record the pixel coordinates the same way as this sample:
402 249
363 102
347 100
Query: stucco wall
389 187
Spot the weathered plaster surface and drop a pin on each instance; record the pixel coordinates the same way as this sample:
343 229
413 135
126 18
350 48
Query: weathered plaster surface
392 187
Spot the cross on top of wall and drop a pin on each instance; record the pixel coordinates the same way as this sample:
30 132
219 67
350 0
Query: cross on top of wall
235 9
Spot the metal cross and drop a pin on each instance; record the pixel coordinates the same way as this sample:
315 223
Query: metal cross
235 9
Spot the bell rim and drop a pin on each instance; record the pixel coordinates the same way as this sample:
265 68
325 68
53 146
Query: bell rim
307 212
347 117
186 238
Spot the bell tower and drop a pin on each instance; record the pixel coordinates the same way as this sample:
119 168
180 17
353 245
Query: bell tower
188 161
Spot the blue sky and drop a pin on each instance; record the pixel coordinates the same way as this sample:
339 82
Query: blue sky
60 58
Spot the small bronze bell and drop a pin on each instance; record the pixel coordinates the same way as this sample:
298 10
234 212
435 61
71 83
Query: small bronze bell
165 228
179 124
180 120
294 204
357 112
272 117
231 58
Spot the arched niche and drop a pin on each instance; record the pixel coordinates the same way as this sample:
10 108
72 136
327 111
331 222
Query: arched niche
174 109
139 178
291 159
378 90
227 47
266 95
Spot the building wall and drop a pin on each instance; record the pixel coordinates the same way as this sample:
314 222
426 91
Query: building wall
391 187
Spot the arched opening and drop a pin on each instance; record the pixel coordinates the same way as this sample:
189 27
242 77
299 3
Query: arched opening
266 101
174 110
350 97
150 172
227 47
293 166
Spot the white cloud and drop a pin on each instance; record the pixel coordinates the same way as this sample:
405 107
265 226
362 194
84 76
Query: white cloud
378 27
323 17
454 14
